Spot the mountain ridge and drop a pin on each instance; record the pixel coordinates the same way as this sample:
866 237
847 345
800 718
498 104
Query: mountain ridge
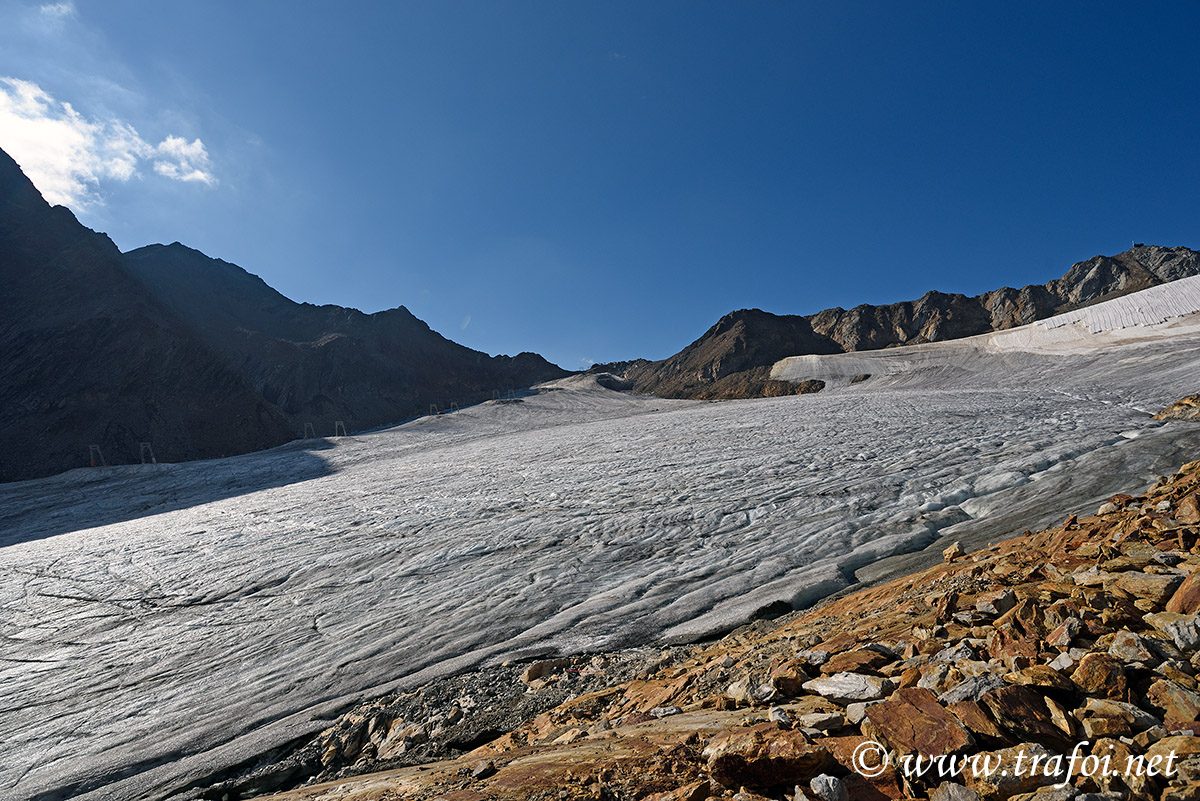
732 359
102 351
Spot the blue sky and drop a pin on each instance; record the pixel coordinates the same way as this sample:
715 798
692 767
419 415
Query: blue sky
603 180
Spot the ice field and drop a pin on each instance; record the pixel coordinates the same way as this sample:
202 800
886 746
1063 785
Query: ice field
161 623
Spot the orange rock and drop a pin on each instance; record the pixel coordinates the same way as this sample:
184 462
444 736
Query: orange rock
1158 589
1004 643
1005 780
789 677
913 722
763 756
1184 792
887 785
1024 713
1186 600
1177 703
1188 510
696 791
976 719
862 660
909 677
1100 675
1041 676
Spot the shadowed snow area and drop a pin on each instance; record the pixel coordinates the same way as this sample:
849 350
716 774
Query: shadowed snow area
149 653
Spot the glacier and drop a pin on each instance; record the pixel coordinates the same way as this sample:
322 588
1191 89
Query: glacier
163 623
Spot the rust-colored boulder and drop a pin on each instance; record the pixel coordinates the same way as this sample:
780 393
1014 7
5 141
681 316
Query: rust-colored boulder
1105 726
1005 780
909 677
1100 675
1129 647
1176 702
789 677
860 660
1182 792
696 791
542 669
1006 643
913 722
1042 677
995 602
1188 510
945 606
1061 717
886 785
1064 633
1186 600
763 756
1153 587
976 719
1183 746
1024 713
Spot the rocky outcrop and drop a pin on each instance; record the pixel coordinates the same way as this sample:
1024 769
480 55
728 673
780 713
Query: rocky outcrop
732 357
1018 652
193 355
1183 409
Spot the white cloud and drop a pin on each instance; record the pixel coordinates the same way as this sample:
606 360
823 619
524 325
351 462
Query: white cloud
58 10
67 155
184 161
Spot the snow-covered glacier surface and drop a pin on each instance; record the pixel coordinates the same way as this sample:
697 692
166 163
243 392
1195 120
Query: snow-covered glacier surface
164 622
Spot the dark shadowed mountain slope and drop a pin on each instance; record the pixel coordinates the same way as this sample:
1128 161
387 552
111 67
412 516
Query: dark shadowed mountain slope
89 357
321 364
734 357
192 355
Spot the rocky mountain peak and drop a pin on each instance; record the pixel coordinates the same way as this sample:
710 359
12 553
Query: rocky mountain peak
749 341
194 355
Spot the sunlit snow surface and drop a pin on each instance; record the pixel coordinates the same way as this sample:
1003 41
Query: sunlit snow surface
236 604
